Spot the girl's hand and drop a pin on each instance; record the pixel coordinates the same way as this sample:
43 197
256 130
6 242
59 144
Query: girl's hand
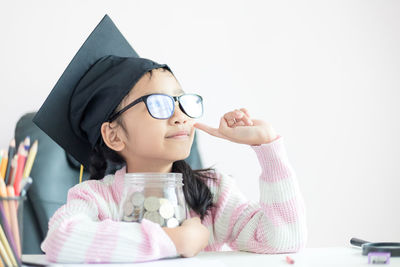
238 127
190 238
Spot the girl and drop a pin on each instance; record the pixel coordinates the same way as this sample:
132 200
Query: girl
86 230
132 112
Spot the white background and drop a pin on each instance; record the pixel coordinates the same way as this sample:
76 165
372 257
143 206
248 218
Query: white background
324 73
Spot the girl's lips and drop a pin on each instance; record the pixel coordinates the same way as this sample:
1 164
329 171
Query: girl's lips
179 134
179 137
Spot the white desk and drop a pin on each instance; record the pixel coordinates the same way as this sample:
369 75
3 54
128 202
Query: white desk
334 256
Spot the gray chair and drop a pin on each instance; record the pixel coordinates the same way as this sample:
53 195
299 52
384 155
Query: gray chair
54 173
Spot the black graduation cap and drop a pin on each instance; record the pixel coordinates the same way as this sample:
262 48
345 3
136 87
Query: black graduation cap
99 76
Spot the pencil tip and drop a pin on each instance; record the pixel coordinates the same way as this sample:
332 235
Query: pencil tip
12 143
20 147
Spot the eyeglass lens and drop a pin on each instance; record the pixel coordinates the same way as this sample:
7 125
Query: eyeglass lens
162 106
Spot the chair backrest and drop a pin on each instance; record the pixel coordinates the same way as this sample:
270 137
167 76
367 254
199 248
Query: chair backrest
53 174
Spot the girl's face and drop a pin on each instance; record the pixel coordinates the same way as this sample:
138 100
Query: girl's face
148 146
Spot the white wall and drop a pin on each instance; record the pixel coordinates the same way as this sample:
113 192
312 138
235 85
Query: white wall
324 73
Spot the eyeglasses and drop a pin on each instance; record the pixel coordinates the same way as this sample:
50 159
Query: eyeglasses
162 106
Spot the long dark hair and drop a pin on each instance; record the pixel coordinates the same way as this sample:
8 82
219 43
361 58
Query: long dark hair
197 194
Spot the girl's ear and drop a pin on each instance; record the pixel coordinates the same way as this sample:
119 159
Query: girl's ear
112 136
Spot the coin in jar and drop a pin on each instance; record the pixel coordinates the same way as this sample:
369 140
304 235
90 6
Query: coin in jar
151 204
154 217
167 210
172 222
137 212
137 199
163 200
128 208
129 219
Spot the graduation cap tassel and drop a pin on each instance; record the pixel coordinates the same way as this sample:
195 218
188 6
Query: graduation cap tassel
81 174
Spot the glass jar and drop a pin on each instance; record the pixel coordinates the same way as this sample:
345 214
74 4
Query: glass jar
157 197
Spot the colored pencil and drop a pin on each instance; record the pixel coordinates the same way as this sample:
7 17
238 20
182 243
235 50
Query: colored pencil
13 169
7 230
11 153
30 159
22 154
7 247
27 143
3 252
3 165
14 220
1 263
3 193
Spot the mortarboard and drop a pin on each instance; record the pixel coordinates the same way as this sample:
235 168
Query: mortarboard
100 75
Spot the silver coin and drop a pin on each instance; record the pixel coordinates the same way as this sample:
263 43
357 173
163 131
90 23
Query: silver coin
128 208
172 222
163 200
154 217
151 204
137 199
167 210
180 213
129 219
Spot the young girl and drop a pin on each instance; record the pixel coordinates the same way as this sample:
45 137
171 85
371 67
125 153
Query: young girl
144 133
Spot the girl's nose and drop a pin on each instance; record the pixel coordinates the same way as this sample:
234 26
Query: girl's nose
178 116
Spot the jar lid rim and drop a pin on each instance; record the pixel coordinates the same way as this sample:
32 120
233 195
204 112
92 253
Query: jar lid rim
153 177
153 174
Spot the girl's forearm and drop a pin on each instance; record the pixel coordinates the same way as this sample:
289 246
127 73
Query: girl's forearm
176 236
189 238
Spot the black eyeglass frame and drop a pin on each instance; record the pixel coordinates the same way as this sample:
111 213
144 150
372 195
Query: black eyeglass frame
144 98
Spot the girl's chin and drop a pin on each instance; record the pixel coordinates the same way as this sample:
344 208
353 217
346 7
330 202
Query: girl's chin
179 153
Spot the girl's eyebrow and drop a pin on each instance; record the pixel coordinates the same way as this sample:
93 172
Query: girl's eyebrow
179 91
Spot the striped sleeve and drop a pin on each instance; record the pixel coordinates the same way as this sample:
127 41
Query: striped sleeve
276 224
76 234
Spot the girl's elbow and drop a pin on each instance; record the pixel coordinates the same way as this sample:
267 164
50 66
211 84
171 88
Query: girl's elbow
49 249
289 242
295 244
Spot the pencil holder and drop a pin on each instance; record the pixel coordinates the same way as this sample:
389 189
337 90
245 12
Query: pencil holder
11 231
157 197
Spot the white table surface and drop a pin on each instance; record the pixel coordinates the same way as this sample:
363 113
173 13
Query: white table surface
333 256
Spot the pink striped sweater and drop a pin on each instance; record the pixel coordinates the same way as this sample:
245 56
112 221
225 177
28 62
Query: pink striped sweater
86 228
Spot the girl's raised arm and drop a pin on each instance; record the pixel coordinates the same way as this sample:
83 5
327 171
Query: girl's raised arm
276 224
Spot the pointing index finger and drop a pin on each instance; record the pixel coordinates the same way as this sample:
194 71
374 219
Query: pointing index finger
207 129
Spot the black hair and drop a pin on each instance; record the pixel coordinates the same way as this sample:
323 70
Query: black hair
198 196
